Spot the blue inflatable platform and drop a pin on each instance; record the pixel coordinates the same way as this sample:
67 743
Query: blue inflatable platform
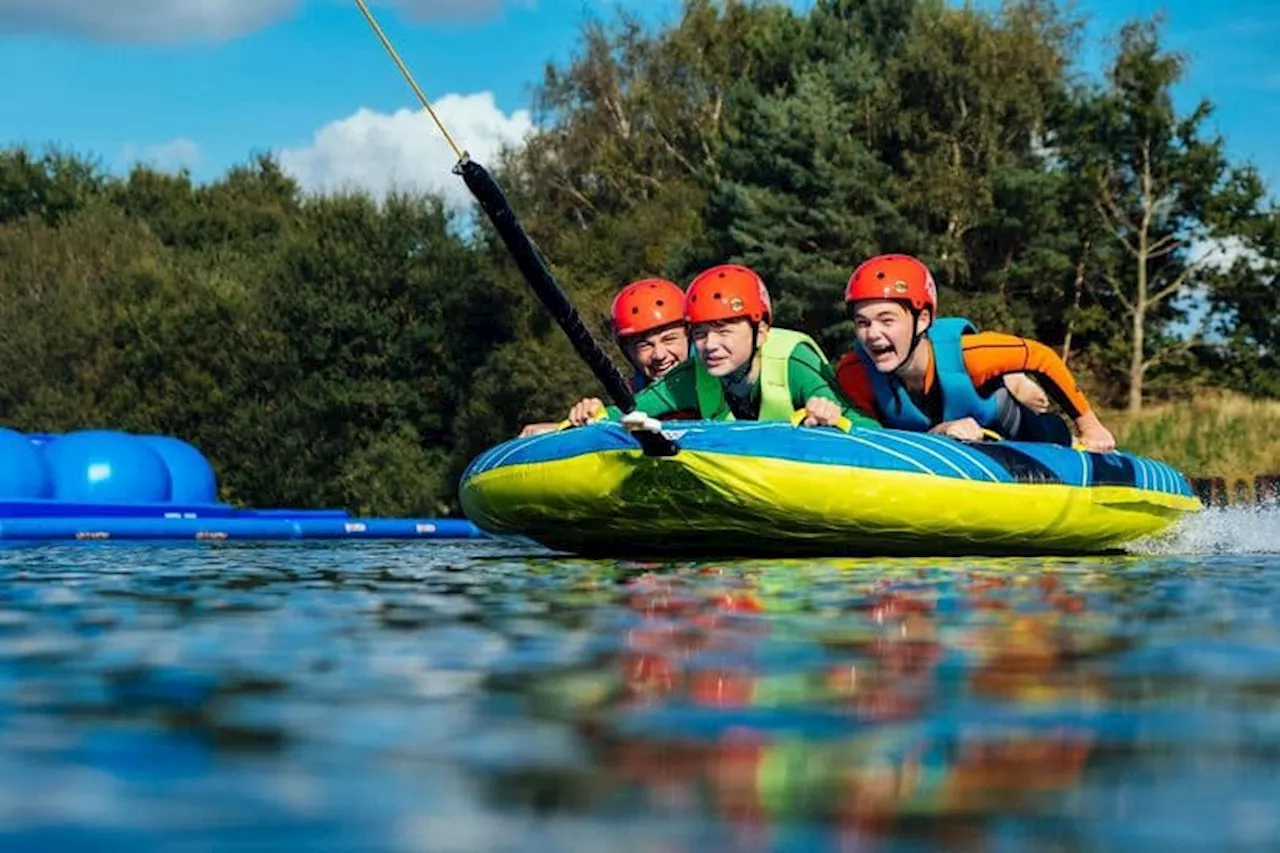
107 484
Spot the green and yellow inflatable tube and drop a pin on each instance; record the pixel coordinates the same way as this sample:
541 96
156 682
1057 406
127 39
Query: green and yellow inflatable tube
753 488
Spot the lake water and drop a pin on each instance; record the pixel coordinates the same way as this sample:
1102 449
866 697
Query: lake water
488 696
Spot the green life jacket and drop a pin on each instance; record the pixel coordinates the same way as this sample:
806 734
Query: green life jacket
775 379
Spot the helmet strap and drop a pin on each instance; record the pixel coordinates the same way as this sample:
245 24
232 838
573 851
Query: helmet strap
916 336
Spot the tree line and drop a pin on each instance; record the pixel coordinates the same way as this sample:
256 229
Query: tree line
338 349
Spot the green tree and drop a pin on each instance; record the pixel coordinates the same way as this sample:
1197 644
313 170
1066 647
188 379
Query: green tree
51 186
803 200
1245 318
58 308
1163 186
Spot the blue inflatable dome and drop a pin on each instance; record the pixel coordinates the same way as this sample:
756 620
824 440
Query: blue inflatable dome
23 473
106 466
99 484
191 476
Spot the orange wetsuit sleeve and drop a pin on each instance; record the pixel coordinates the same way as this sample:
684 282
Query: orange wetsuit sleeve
851 374
988 356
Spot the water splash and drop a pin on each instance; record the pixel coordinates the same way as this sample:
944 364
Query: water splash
1253 529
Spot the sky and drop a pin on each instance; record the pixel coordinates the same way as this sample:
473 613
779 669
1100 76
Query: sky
206 84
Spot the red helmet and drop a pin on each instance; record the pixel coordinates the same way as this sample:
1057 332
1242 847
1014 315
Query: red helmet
726 292
645 305
898 277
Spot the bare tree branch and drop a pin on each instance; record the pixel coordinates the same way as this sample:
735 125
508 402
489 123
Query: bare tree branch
1080 284
1148 208
1173 286
1116 212
1111 220
1119 291
675 152
1169 352
613 105
1165 245
713 125
1147 190
565 185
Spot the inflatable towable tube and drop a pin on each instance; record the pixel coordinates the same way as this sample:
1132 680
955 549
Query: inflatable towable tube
775 489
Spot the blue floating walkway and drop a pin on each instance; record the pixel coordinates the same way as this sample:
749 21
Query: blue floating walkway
249 527
106 484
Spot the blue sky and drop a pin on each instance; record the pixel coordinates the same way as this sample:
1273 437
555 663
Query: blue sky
207 89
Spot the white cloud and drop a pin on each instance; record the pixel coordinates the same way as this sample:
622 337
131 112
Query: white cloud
404 150
144 21
170 21
168 156
1221 253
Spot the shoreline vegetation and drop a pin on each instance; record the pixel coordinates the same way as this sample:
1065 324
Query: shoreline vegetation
345 350
1215 434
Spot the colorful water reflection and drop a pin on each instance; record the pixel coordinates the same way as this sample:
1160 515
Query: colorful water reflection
863 711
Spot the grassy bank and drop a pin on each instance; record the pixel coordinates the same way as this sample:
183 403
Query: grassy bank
1216 434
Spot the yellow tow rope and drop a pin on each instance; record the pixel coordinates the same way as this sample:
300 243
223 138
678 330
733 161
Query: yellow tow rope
382 37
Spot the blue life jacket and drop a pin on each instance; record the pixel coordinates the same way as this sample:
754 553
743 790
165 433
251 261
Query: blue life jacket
960 399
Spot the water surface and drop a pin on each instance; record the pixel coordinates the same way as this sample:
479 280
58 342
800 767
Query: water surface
489 696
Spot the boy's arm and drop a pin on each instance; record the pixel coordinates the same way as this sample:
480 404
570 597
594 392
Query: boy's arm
988 356
675 392
812 376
